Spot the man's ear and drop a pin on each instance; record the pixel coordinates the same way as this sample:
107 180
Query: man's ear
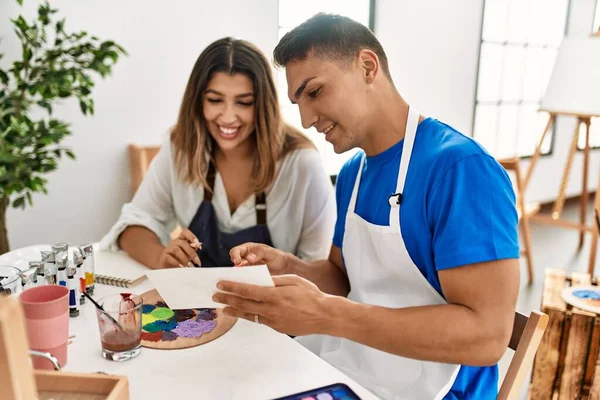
369 64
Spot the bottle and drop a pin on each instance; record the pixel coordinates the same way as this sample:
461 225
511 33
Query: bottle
79 275
73 286
89 265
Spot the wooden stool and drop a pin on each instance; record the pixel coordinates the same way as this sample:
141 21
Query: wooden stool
566 364
524 210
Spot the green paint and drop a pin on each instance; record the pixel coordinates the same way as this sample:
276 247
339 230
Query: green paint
162 313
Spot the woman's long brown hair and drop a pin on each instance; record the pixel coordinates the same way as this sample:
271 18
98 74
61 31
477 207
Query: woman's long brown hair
273 138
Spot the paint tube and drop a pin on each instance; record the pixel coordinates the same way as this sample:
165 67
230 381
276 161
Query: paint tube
60 248
29 276
49 268
89 267
61 265
80 275
73 286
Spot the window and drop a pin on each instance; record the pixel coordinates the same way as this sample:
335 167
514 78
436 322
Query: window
595 125
293 13
519 43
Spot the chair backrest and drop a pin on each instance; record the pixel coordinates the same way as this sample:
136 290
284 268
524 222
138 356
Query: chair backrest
513 164
525 339
139 161
597 206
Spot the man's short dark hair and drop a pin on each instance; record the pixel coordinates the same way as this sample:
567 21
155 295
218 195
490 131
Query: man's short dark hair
328 36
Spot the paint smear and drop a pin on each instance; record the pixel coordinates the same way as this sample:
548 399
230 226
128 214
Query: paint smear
147 308
169 336
206 314
147 319
182 315
591 297
192 328
152 337
158 326
587 294
162 313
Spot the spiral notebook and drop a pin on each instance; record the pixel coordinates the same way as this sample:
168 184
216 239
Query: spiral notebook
118 269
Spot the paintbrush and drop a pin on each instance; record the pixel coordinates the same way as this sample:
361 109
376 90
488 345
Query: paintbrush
99 307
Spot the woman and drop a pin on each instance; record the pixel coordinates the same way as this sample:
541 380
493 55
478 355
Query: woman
232 172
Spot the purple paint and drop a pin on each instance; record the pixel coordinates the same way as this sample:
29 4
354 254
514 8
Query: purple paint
192 328
206 314
169 336
182 315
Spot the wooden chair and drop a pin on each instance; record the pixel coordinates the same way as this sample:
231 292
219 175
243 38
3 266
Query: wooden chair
139 161
524 210
140 158
525 339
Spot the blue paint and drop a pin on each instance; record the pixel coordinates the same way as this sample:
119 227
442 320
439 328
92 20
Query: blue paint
147 308
160 325
63 283
72 299
587 294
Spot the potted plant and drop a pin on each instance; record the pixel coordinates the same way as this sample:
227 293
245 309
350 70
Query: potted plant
54 65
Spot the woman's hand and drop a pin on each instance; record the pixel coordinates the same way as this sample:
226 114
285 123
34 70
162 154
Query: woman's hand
181 251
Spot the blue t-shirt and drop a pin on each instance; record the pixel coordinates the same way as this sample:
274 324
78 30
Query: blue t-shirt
458 208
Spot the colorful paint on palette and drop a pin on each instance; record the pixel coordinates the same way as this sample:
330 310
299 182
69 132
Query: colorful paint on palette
591 297
192 328
160 323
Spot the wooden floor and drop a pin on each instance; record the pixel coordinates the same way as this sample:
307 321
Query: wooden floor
553 247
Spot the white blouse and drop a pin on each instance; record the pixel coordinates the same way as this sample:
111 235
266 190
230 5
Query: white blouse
300 205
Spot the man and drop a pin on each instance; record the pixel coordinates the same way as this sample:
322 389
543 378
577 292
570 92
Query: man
417 298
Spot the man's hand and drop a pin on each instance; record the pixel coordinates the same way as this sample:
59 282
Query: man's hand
294 306
181 251
256 253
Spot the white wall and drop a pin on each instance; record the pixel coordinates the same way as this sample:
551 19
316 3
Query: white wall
138 103
433 49
432 45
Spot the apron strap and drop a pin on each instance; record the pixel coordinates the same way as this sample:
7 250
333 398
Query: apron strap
352 204
412 121
261 198
210 181
261 208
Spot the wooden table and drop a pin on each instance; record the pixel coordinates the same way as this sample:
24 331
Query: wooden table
250 361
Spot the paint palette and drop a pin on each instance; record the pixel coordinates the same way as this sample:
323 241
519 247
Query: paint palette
586 298
163 328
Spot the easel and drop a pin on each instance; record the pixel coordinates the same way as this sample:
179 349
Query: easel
554 218
582 118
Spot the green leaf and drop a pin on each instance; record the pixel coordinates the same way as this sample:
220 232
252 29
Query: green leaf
45 104
27 53
70 154
28 195
19 202
4 78
20 2
60 25
83 107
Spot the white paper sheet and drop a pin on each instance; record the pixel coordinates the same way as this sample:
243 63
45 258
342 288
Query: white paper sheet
183 288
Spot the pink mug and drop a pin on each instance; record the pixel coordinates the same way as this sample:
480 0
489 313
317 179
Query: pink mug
46 311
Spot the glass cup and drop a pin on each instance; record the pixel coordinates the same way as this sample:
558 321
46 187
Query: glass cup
10 280
120 326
